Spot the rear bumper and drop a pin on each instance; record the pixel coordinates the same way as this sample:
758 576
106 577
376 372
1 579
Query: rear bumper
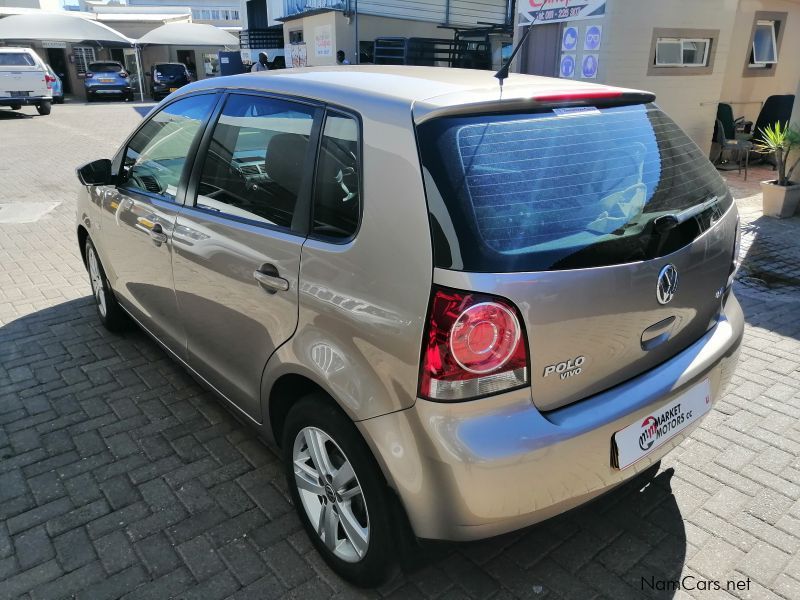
164 88
476 469
25 101
109 90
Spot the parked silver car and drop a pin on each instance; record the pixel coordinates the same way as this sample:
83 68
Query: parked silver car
457 312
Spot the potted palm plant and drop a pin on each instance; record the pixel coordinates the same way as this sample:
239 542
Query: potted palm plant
781 196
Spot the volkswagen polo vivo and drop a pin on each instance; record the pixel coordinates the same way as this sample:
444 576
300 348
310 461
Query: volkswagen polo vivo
457 310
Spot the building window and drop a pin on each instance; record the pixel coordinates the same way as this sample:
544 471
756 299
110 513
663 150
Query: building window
214 14
84 55
682 51
677 52
764 48
235 15
765 45
296 37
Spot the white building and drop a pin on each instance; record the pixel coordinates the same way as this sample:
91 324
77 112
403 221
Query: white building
691 54
320 28
221 13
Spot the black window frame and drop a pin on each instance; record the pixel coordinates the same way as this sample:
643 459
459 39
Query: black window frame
118 162
329 108
300 220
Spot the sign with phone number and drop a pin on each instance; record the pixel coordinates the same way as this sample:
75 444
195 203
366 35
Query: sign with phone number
556 11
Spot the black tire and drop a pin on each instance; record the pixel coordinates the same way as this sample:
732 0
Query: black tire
44 108
111 314
379 560
16 106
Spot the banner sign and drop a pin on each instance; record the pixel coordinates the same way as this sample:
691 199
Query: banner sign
589 66
557 11
569 39
593 38
323 40
296 56
567 68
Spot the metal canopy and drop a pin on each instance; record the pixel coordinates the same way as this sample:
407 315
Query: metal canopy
59 27
188 34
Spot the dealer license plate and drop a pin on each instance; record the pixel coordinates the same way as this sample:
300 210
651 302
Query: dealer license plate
646 435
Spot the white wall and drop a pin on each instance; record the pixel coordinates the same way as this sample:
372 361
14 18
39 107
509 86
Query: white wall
747 93
625 57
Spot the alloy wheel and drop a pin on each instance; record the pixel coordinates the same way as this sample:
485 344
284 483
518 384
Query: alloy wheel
331 494
97 282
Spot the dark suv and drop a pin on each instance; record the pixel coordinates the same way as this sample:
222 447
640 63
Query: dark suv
165 78
108 79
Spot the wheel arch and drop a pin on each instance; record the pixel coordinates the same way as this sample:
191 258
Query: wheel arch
83 235
284 393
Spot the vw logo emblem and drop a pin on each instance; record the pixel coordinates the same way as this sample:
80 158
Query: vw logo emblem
667 284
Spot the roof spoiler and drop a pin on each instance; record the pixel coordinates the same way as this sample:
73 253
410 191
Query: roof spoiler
589 97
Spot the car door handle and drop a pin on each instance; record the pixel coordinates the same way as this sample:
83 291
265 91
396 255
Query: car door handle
157 234
271 280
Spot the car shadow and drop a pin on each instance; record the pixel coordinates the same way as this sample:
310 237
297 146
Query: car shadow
629 543
768 282
60 367
7 115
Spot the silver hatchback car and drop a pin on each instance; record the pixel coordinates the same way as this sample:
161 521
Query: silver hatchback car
457 310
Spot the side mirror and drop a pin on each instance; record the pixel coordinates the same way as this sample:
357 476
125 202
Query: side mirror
97 172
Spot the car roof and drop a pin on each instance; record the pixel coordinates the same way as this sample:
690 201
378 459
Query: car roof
14 49
423 88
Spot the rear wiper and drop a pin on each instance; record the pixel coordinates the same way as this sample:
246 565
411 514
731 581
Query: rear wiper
665 223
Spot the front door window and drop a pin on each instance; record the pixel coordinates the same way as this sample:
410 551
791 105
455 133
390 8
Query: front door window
155 157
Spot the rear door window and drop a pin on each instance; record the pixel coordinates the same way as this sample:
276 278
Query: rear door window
257 160
169 70
337 190
564 189
105 68
16 59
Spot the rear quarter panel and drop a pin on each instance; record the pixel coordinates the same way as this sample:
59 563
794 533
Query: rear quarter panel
363 304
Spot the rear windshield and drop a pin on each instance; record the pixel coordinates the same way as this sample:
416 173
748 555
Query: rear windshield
16 59
565 189
105 67
174 70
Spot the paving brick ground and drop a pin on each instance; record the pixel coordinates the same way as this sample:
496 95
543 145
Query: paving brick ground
120 477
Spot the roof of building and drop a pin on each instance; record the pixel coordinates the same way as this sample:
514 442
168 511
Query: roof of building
143 17
426 89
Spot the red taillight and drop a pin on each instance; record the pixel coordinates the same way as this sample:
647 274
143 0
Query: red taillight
579 95
49 79
123 74
88 75
474 346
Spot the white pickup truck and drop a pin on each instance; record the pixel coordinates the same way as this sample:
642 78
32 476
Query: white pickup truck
24 80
